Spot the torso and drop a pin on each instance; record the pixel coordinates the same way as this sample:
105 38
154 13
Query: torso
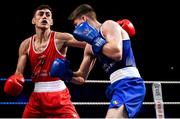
42 56
40 47
109 65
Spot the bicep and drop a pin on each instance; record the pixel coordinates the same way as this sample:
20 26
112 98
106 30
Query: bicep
112 33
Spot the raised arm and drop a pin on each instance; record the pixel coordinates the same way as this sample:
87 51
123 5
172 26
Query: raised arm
110 45
69 40
112 33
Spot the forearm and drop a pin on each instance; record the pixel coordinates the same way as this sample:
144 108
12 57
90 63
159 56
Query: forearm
71 41
19 71
78 44
21 65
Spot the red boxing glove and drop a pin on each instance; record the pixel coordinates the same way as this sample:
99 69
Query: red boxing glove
14 85
127 26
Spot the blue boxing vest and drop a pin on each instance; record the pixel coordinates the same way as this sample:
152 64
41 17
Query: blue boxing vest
109 65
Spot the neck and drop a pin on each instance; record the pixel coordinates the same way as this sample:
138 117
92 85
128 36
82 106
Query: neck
96 24
42 34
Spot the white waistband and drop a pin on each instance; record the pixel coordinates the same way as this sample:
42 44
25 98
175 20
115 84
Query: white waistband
127 72
52 86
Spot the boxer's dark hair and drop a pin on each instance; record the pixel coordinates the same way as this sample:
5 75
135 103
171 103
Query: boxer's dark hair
40 7
83 9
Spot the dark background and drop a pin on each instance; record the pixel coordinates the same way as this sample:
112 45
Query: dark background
155 47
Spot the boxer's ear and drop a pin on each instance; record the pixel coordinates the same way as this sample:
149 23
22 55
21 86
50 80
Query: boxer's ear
84 18
51 22
33 20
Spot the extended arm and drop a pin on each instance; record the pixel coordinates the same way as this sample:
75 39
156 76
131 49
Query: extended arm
69 40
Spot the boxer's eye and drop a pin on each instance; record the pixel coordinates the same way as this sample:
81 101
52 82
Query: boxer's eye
48 14
41 13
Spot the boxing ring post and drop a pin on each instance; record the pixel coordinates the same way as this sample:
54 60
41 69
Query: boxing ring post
158 100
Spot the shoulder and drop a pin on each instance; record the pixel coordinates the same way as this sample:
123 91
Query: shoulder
25 45
26 42
63 36
110 23
110 26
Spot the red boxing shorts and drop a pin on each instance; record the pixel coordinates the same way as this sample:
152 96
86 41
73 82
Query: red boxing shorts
54 103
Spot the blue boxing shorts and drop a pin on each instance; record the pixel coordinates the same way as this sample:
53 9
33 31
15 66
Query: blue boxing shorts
128 91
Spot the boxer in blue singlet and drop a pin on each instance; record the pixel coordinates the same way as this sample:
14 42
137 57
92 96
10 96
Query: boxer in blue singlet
110 43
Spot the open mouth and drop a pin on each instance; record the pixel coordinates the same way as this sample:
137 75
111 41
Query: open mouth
44 22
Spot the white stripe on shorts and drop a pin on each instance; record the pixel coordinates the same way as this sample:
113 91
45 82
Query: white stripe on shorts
51 86
127 72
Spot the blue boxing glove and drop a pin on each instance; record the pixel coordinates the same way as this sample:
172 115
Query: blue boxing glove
60 68
85 32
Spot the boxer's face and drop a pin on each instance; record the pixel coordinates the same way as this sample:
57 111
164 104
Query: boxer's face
79 20
43 18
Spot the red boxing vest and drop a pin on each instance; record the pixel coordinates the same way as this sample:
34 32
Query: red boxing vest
41 61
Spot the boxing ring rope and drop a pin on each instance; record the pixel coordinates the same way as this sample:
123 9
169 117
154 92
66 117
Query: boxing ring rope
102 103
147 82
156 88
90 103
107 81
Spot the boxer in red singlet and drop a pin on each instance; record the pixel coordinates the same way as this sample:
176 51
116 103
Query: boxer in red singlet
51 97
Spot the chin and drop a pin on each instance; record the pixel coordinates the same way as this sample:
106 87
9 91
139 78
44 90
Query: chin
44 27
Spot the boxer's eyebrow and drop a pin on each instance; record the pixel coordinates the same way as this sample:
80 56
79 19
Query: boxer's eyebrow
47 13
